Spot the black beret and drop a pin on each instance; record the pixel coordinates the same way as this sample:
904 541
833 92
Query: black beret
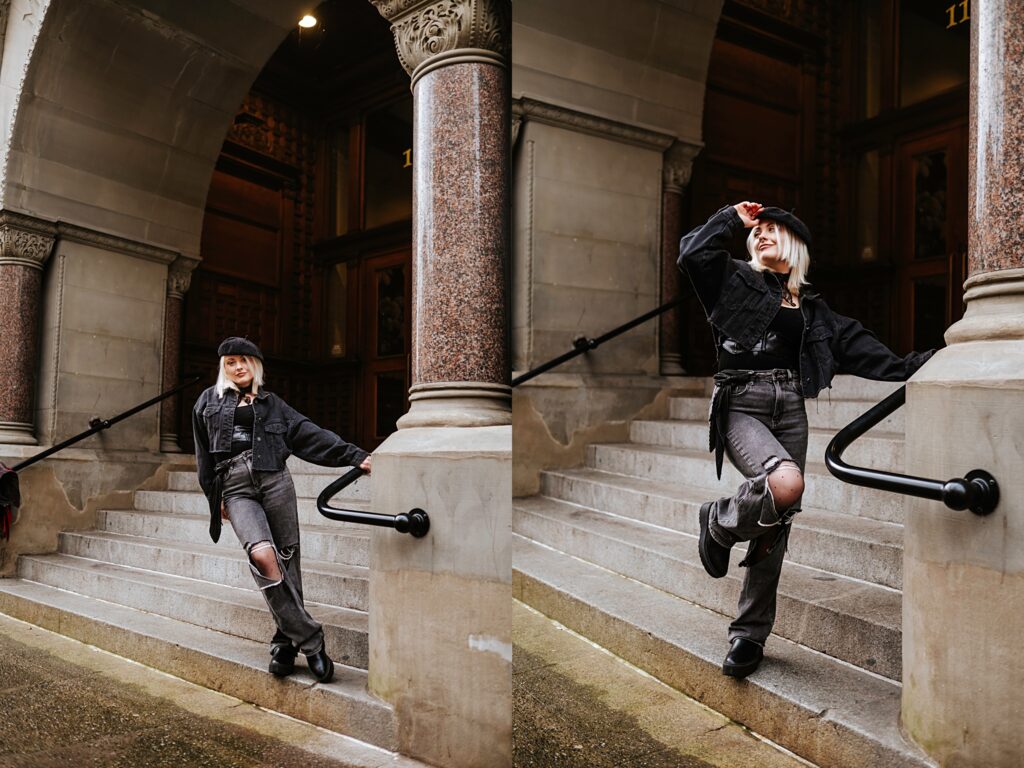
236 345
794 224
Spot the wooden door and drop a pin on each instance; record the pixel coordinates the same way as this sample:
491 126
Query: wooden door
931 235
385 343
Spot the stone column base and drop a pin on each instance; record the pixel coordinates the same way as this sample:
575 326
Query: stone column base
458 404
672 365
440 616
17 433
169 443
963 575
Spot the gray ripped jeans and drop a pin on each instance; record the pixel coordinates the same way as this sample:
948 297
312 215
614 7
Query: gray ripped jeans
766 424
263 512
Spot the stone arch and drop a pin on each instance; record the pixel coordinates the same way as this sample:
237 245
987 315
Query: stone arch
116 110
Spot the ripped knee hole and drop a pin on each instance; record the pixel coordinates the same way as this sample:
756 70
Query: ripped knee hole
267 560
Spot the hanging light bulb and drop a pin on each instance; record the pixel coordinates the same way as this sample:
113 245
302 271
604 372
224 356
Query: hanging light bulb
308 21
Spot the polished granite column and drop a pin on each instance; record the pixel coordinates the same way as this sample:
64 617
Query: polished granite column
25 245
440 618
678 164
179 275
456 53
963 580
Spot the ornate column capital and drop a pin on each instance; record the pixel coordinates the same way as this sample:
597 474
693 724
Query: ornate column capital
179 276
433 33
25 240
678 165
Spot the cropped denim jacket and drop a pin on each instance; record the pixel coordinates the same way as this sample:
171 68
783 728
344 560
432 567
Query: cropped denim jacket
740 302
278 432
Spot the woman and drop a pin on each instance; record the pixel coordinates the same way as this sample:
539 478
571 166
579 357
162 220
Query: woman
243 436
778 343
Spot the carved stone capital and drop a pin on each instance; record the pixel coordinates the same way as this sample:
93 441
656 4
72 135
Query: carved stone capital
678 165
432 33
179 276
25 240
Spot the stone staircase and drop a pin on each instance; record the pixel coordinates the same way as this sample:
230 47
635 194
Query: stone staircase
610 550
149 585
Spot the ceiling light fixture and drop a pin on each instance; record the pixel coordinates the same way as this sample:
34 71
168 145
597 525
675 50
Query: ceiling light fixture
308 21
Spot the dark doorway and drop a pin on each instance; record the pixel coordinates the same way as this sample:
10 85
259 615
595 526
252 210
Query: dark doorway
314 179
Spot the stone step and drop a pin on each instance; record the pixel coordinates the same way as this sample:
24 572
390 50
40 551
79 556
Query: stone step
820 413
308 485
872 450
318 542
822 709
234 611
233 665
857 622
697 468
346 586
195 503
852 546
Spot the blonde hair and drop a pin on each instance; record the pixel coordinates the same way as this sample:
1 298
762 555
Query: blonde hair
792 250
224 383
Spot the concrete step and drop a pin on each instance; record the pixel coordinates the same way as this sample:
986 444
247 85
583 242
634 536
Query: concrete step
234 611
822 709
820 413
232 665
195 503
873 450
697 468
857 622
852 546
346 586
308 484
318 542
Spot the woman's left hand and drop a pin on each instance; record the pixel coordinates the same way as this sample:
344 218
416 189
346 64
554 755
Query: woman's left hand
365 466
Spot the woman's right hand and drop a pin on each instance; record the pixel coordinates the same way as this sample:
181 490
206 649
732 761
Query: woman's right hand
223 511
748 212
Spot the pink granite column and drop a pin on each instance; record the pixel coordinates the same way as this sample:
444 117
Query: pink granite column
440 630
456 52
963 575
25 245
179 275
675 176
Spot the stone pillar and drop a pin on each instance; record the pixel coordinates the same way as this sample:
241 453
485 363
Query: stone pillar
440 619
963 576
179 275
25 245
675 177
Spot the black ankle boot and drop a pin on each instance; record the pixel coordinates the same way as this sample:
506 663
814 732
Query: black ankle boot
743 658
320 665
282 660
713 556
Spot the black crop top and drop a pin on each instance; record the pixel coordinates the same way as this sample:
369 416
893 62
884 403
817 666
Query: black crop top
241 436
778 348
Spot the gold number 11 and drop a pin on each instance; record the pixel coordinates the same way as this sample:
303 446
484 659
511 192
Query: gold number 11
965 16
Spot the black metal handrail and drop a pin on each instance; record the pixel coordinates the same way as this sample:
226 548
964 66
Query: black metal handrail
977 491
416 522
97 424
583 344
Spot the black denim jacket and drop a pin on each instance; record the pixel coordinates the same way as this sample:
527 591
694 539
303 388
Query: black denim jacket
740 303
278 432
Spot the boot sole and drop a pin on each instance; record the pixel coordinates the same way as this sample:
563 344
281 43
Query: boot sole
740 671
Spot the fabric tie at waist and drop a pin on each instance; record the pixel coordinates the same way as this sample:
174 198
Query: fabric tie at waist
724 382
